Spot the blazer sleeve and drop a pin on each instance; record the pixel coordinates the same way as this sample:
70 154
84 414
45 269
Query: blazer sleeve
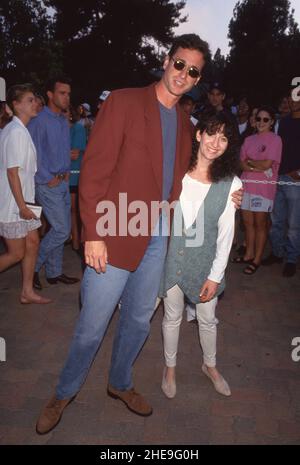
99 162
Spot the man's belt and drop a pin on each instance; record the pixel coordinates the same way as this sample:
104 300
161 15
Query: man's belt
61 176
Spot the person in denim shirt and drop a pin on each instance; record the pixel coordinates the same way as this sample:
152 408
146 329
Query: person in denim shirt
51 136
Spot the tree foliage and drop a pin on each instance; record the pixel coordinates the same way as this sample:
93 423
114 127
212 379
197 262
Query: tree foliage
264 49
114 43
27 49
98 43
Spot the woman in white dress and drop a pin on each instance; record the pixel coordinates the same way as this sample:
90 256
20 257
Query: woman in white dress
18 164
198 256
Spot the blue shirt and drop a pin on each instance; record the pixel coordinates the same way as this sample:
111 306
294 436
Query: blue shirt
50 133
78 141
168 118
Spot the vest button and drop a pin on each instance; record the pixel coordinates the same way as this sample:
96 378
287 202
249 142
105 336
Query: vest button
179 272
180 252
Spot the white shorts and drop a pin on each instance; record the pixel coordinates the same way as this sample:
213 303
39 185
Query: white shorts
18 229
256 203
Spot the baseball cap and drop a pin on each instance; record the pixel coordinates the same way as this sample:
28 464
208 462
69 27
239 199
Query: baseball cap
104 95
87 107
217 85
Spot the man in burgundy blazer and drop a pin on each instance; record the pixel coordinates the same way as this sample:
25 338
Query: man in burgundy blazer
140 146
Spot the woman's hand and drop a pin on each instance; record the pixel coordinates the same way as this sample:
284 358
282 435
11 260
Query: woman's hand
237 198
208 290
27 214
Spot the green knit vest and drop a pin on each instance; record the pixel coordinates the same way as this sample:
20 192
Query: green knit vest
189 265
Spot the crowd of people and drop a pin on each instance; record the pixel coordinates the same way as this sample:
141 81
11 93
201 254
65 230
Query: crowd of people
41 152
57 163
269 168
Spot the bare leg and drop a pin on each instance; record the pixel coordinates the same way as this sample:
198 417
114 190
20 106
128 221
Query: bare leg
15 253
261 224
28 295
248 219
170 374
214 373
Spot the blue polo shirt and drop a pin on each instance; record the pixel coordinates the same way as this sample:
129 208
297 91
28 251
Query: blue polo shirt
78 141
50 133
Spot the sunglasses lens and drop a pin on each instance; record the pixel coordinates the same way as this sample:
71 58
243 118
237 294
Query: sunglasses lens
179 65
194 73
265 120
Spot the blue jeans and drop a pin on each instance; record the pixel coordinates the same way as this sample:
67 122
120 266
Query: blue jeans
100 294
56 205
285 230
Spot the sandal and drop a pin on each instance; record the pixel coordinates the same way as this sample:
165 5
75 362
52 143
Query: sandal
251 268
241 260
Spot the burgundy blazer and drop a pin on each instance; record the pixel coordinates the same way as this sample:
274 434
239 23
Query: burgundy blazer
125 155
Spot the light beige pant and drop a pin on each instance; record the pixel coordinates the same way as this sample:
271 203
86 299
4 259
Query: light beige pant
207 323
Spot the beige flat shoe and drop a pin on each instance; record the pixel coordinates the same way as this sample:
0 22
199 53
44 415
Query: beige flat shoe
221 386
169 389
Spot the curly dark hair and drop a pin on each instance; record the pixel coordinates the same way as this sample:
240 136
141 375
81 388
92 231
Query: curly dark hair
227 165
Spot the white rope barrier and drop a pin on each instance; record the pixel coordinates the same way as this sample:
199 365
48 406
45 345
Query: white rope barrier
253 181
281 183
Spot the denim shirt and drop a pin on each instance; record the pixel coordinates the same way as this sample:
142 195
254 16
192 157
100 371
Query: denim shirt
50 133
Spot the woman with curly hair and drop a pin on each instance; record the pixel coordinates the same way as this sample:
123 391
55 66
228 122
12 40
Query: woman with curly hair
201 239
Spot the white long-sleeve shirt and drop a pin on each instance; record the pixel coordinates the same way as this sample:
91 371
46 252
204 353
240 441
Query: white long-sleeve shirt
191 198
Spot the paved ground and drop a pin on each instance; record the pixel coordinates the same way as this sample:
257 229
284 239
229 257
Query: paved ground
259 317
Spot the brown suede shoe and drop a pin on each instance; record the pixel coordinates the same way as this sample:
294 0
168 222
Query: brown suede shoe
51 414
133 401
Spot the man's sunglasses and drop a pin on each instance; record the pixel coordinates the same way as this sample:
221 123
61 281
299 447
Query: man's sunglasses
179 65
259 119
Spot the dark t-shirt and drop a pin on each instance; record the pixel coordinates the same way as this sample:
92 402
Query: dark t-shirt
168 119
289 131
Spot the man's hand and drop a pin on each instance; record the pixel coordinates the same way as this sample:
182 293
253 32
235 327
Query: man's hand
208 290
54 182
75 154
95 253
294 175
27 214
237 198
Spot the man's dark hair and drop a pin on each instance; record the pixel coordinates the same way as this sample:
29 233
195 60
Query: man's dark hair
227 165
185 99
192 42
51 83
